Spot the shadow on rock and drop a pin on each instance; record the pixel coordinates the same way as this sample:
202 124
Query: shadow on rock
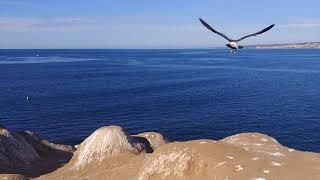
26 154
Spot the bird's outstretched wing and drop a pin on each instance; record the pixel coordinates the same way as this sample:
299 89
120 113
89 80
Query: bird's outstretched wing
211 29
257 33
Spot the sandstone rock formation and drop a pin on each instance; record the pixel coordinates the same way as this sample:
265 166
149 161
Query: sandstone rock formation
15 151
154 138
27 154
12 177
107 142
109 153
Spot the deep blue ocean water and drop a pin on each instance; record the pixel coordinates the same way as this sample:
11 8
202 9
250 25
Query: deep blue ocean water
183 94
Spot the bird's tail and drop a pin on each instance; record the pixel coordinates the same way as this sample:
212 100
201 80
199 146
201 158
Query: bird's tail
240 47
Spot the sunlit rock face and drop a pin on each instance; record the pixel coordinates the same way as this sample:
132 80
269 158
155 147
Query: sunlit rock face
110 153
12 177
107 142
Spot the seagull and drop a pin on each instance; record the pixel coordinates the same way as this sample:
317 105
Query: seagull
233 43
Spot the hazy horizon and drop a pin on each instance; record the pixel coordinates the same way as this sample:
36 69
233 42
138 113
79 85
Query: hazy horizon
151 25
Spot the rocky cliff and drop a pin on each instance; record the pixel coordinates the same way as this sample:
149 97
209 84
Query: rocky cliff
27 154
110 153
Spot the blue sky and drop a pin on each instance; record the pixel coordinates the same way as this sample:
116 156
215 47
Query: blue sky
152 23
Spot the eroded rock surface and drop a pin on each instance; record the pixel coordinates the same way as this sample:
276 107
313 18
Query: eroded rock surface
156 140
107 142
27 154
12 177
110 154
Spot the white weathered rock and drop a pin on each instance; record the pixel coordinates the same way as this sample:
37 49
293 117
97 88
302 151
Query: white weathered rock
105 142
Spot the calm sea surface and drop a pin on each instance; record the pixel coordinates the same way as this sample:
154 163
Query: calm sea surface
183 94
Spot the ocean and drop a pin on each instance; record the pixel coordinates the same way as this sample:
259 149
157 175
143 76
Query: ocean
183 94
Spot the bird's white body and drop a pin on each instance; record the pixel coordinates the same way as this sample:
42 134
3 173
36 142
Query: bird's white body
234 45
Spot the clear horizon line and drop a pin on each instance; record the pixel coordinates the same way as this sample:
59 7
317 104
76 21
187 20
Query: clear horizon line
213 47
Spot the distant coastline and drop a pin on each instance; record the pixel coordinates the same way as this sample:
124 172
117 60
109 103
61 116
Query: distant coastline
314 45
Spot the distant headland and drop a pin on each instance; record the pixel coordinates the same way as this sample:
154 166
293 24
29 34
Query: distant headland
304 45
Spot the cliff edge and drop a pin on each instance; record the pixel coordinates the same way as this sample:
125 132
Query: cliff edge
24 154
111 153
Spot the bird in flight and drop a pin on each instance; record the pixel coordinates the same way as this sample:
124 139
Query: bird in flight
233 43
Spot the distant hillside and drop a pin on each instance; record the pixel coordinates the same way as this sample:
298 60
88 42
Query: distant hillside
293 45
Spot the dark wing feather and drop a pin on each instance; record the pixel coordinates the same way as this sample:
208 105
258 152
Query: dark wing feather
211 29
257 33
